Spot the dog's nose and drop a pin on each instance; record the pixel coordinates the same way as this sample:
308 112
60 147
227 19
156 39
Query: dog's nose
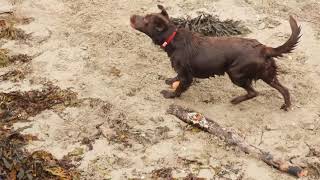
133 19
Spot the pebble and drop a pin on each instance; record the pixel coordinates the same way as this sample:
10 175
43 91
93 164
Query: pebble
214 163
206 173
309 126
6 8
262 26
84 47
249 1
179 174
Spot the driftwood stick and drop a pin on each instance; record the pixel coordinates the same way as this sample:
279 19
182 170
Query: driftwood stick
231 137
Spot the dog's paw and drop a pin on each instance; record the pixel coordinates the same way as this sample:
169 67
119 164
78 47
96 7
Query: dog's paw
236 100
285 107
168 94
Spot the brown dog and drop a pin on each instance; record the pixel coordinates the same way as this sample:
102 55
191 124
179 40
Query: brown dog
193 55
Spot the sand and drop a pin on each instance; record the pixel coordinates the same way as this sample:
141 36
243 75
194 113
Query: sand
89 46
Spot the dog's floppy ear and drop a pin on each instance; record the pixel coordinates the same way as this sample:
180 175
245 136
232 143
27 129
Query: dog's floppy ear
160 24
163 11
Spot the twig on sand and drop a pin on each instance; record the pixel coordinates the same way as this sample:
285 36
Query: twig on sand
231 137
261 137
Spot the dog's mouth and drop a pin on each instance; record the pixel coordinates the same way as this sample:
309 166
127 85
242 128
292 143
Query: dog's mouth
132 25
132 22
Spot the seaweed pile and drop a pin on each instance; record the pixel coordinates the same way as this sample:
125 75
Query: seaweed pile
15 76
165 173
19 106
18 72
15 161
12 33
6 60
210 25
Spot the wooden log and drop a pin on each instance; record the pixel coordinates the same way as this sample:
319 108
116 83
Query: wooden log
231 137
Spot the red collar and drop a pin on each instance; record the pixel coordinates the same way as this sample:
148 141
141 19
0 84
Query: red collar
170 38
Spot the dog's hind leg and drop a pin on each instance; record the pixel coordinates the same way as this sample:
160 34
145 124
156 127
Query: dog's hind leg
247 85
241 80
269 76
274 82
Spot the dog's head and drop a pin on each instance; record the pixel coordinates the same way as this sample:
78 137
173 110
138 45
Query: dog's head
155 25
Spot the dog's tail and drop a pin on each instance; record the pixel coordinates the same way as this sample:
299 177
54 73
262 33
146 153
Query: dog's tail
288 46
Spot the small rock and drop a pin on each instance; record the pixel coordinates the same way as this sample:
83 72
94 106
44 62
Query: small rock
297 136
84 47
144 8
206 173
233 176
309 126
318 35
214 163
6 8
262 26
76 152
249 1
177 174
202 10
271 26
270 128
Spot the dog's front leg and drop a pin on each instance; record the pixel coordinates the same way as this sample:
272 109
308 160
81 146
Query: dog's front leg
185 79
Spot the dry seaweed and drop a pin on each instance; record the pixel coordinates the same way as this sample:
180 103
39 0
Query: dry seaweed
14 76
210 25
8 31
313 166
14 19
125 134
17 163
20 58
19 105
12 33
122 131
192 177
89 140
115 72
165 173
4 58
